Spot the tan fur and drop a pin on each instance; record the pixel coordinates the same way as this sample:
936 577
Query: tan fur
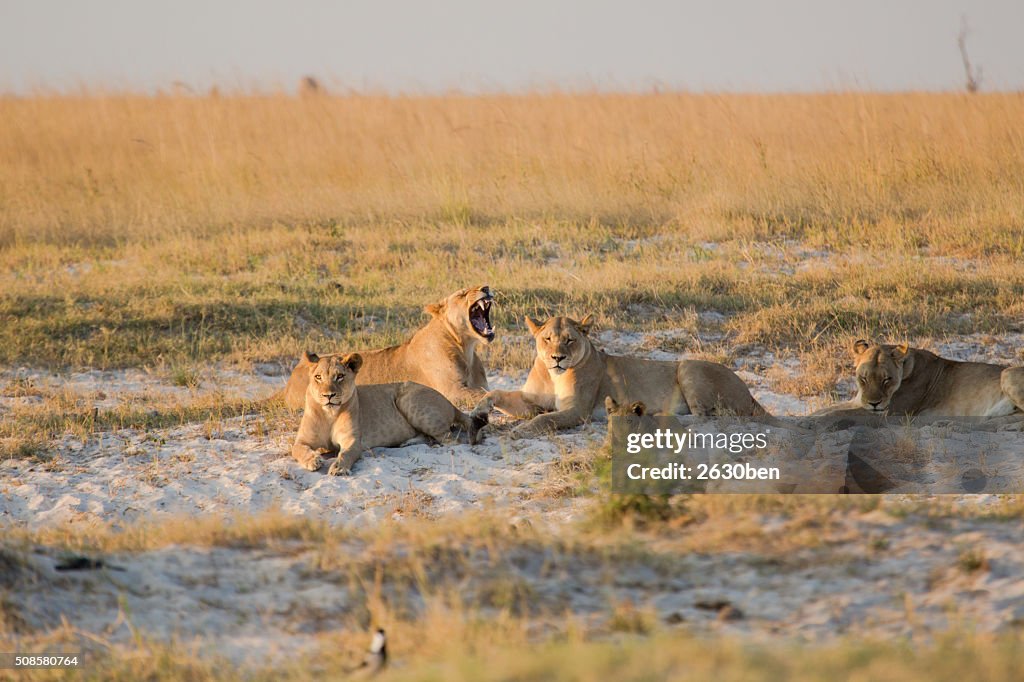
901 380
635 414
614 409
441 355
341 418
570 377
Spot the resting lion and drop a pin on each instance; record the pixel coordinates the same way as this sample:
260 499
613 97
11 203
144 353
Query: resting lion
901 380
614 409
441 355
570 377
345 420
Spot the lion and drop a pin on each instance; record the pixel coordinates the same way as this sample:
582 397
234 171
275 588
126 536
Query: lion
634 414
633 410
570 376
442 354
900 380
345 419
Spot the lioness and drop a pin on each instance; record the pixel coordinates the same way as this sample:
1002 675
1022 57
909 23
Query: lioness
441 355
570 376
634 413
901 380
343 419
614 409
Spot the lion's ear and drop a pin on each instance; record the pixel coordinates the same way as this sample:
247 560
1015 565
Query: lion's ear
353 361
610 405
533 325
586 323
638 408
908 365
900 351
311 357
435 309
859 346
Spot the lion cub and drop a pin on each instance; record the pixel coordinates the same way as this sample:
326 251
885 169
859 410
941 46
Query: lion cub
343 419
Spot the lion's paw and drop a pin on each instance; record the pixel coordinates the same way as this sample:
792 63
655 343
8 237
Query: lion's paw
339 469
520 432
314 463
483 408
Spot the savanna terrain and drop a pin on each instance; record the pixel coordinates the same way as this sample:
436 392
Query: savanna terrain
165 259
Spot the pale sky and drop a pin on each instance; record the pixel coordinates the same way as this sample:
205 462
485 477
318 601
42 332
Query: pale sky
483 45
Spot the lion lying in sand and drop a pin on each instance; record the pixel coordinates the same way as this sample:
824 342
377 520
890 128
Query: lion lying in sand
900 380
441 355
571 377
345 420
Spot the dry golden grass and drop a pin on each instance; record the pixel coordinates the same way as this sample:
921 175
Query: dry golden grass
34 429
474 623
136 230
498 650
177 231
709 523
820 368
889 168
500 655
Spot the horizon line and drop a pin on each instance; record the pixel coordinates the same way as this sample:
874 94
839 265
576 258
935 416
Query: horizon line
304 89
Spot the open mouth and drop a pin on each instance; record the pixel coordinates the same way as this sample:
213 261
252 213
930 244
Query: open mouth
480 318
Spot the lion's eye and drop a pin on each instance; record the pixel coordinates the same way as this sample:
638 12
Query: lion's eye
886 381
569 342
548 339
318 377
340 377
862 380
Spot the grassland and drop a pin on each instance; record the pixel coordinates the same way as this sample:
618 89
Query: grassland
179 230
172 232
678 657
475 598
176 233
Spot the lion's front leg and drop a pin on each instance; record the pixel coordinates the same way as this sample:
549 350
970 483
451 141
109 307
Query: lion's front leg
345 436
549 422
308 457
517 404
537 395
463 396
346 460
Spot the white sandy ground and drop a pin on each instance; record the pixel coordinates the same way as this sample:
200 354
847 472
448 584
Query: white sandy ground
196 469
240 601
231 468
130 474
106 389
